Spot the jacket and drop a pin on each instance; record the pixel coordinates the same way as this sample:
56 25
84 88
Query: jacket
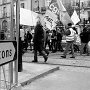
84 37
38 36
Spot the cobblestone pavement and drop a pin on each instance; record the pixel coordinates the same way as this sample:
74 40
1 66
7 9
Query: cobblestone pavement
54 59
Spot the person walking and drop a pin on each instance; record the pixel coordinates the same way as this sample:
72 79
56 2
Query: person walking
53 41
29 37
84 35
47 41
38 42
25 41
59 39
70 33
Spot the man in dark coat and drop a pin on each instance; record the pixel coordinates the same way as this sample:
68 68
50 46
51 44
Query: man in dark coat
38 42
84 41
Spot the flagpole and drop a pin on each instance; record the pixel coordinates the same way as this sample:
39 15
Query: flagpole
79 9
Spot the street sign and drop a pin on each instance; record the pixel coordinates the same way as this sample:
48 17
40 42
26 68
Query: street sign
7 51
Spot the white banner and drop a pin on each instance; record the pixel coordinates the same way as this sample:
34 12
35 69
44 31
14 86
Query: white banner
75 17
28 17
49 20
64 16
61 6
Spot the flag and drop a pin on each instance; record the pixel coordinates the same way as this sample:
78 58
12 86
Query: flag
28 17
60 5
75 17
55 10
53 7
65 18
49 20
50 17
63 14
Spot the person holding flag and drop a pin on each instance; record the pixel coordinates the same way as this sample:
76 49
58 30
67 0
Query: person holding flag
70 41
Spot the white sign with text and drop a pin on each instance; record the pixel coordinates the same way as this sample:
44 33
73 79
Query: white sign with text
7 52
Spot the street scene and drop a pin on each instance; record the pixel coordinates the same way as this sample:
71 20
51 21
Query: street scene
44 44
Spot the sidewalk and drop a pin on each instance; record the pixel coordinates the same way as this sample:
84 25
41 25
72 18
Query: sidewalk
30 73
33 71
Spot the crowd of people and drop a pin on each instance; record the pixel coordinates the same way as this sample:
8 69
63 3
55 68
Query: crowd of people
45 41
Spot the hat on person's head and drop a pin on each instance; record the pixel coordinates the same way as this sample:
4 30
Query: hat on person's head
69 24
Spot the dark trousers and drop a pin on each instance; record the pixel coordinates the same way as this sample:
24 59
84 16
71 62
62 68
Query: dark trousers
48 43
82 47
42 51
59 46
53 45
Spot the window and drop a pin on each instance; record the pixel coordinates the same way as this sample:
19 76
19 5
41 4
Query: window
22 5
88 3
4 11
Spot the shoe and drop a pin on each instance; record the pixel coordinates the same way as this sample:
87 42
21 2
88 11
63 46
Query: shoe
72 57
46 59
61 50
34 61
63 56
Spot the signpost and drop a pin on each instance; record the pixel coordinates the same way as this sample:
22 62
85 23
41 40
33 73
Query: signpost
7 51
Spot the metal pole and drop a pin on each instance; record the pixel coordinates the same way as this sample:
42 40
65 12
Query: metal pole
12 17
17 36
11 38
31 5
0 77
79 9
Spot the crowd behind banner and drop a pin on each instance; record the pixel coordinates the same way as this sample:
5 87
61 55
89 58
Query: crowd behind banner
55 40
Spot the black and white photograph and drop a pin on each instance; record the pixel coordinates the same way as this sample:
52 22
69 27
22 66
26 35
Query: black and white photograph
44 44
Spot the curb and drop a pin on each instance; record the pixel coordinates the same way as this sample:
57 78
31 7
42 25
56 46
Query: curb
39 76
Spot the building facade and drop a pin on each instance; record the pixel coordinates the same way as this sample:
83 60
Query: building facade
5 14
34 5
82 6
